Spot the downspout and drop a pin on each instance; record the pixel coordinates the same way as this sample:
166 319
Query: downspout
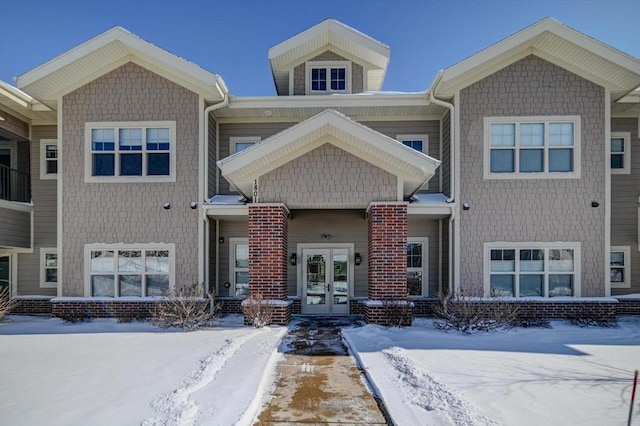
205 122
452 182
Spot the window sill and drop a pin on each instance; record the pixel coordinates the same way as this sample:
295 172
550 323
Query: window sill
130 179
530 176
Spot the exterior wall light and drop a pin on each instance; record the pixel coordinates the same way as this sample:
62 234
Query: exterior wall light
293 259
166 206
466 206
357 259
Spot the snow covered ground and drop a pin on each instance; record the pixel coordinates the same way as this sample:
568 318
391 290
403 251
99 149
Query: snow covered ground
106 373
562 376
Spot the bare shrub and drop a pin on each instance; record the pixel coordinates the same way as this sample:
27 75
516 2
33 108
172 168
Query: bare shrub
590 316
127 317
185 307
398 312
257 311
466 311
6 302
75 317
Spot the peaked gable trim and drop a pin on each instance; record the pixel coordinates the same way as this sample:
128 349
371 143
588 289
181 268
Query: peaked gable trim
413 168
106 52
554 42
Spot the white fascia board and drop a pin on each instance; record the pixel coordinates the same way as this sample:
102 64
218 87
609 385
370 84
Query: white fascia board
136 47
329 101
526 39
327 30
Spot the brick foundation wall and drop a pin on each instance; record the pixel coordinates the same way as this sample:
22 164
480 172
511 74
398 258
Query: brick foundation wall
230 306
356 307
628 306
101 308
382 314
268 225
31 306
387 244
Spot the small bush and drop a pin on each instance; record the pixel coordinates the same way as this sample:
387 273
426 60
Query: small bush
127 317
75 317
398 312
590 316
257 311
465 312
6 302
185 308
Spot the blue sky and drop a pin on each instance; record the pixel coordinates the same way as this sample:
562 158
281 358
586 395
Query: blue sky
232 37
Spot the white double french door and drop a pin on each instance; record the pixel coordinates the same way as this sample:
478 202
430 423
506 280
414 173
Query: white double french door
325 281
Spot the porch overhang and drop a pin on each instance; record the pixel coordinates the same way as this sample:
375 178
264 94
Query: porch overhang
412 168
430 206
226 207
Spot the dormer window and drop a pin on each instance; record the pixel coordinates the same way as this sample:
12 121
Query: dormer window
328 77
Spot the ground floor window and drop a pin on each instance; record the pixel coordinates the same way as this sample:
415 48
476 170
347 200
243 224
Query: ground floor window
129 270
48 267
620 267
416 267
532 269
239 269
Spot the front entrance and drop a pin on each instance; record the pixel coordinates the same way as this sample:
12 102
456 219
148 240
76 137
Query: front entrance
326 276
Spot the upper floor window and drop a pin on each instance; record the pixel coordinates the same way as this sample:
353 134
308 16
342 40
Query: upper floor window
130 152
532 269
48 159
621 153
417 142
328 77
532 147
241 143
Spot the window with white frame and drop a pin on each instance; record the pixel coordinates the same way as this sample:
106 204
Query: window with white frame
532 147
620 270
238 144
129 270
48 158
328 77
418 142
239 268
417 281
48 268
621 153
130 151
532 269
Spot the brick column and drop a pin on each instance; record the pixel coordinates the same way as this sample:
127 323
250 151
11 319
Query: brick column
268 224
387 257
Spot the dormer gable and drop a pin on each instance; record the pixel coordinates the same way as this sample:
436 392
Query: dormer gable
328 58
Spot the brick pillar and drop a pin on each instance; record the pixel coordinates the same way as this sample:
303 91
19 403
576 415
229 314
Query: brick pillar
268 225
387 257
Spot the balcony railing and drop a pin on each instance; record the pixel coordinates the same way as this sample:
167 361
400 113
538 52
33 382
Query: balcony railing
14 185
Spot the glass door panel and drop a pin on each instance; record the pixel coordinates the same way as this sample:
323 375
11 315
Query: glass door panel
316 281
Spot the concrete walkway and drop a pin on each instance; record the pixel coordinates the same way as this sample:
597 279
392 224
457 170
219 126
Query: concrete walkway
318 381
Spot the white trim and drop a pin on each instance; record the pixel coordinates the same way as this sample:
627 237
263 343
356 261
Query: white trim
13 148
626 167
232 264
425 264
546 120
13 269
116 126
607 191
17 206
457 184
327 66
43 159
43 276
88 248
626 250
546 246
59 203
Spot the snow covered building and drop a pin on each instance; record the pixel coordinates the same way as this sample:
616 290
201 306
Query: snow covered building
127 171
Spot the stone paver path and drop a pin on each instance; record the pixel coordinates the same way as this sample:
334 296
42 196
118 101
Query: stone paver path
318 381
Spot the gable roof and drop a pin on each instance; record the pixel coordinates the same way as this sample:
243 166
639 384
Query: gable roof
337 37
105 53
553 42
412 167
21 103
